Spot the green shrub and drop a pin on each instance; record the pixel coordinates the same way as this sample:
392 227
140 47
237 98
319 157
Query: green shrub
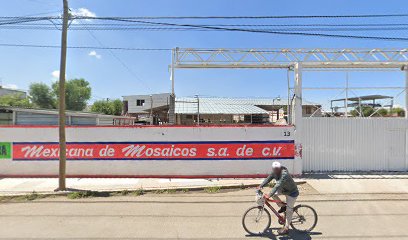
139 192
124 192
159 191
87 194
212 189
170 191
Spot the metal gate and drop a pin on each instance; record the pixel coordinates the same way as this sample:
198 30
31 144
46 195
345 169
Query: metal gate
354 144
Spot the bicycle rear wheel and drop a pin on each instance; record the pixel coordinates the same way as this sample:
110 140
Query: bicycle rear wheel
304 218
256 220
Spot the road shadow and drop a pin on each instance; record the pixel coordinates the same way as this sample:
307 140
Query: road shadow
293 235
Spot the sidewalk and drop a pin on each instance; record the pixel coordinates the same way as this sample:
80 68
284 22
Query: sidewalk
321 184
17 186
388 183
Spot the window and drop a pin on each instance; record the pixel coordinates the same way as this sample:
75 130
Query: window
309 110
140 102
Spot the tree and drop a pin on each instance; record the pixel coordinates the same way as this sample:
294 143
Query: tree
382 112
117 107
365 110
78 92
398 112
42 95
15 100
108 107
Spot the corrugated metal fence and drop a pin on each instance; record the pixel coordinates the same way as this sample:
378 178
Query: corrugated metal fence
355 144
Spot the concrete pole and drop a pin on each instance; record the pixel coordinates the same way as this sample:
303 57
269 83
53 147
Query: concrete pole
298 93
346 102
151 110
172 105
297 167
406 91
62 138
406 115
198 110
288 105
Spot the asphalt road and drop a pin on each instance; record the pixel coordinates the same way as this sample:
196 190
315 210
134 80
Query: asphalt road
197 216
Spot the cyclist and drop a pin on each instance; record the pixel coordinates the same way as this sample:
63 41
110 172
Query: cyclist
285 186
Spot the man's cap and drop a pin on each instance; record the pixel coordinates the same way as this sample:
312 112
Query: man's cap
276 165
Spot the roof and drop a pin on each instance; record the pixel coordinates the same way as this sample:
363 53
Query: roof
147 95
219 105
247 101
364 98
215 106
237 106
55 112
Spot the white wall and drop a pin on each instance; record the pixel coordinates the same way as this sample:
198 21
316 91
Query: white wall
159 100
329 144
355 144
192 136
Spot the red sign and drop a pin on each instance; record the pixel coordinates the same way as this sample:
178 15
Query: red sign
157 151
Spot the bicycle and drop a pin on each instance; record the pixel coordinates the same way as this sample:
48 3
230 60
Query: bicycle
260 217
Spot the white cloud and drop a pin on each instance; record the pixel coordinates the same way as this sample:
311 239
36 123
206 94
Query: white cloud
83 12
94 54
55 74
11 86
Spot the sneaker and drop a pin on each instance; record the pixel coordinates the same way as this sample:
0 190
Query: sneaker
282 209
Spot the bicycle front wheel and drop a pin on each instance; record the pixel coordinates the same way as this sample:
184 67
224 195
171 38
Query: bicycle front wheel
304 218
256 220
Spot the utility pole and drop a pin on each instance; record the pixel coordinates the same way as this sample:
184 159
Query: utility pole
198 109
172 115
63 62
151 110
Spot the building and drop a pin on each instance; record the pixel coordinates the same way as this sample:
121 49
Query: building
141 106
23 116
7 91
212 110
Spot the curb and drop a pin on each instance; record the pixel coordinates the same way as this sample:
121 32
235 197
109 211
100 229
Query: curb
151 189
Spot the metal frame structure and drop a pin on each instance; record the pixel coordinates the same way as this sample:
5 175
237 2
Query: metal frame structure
358 102
290 59
284 58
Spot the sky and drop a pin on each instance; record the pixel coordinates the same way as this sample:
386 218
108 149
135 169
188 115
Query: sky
118 73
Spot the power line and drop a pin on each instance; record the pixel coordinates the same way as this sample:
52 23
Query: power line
83 47
235 29
22 20
136 28
298 32
269 32
233 17
152 27
120 61
169 49
256 17
234 25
